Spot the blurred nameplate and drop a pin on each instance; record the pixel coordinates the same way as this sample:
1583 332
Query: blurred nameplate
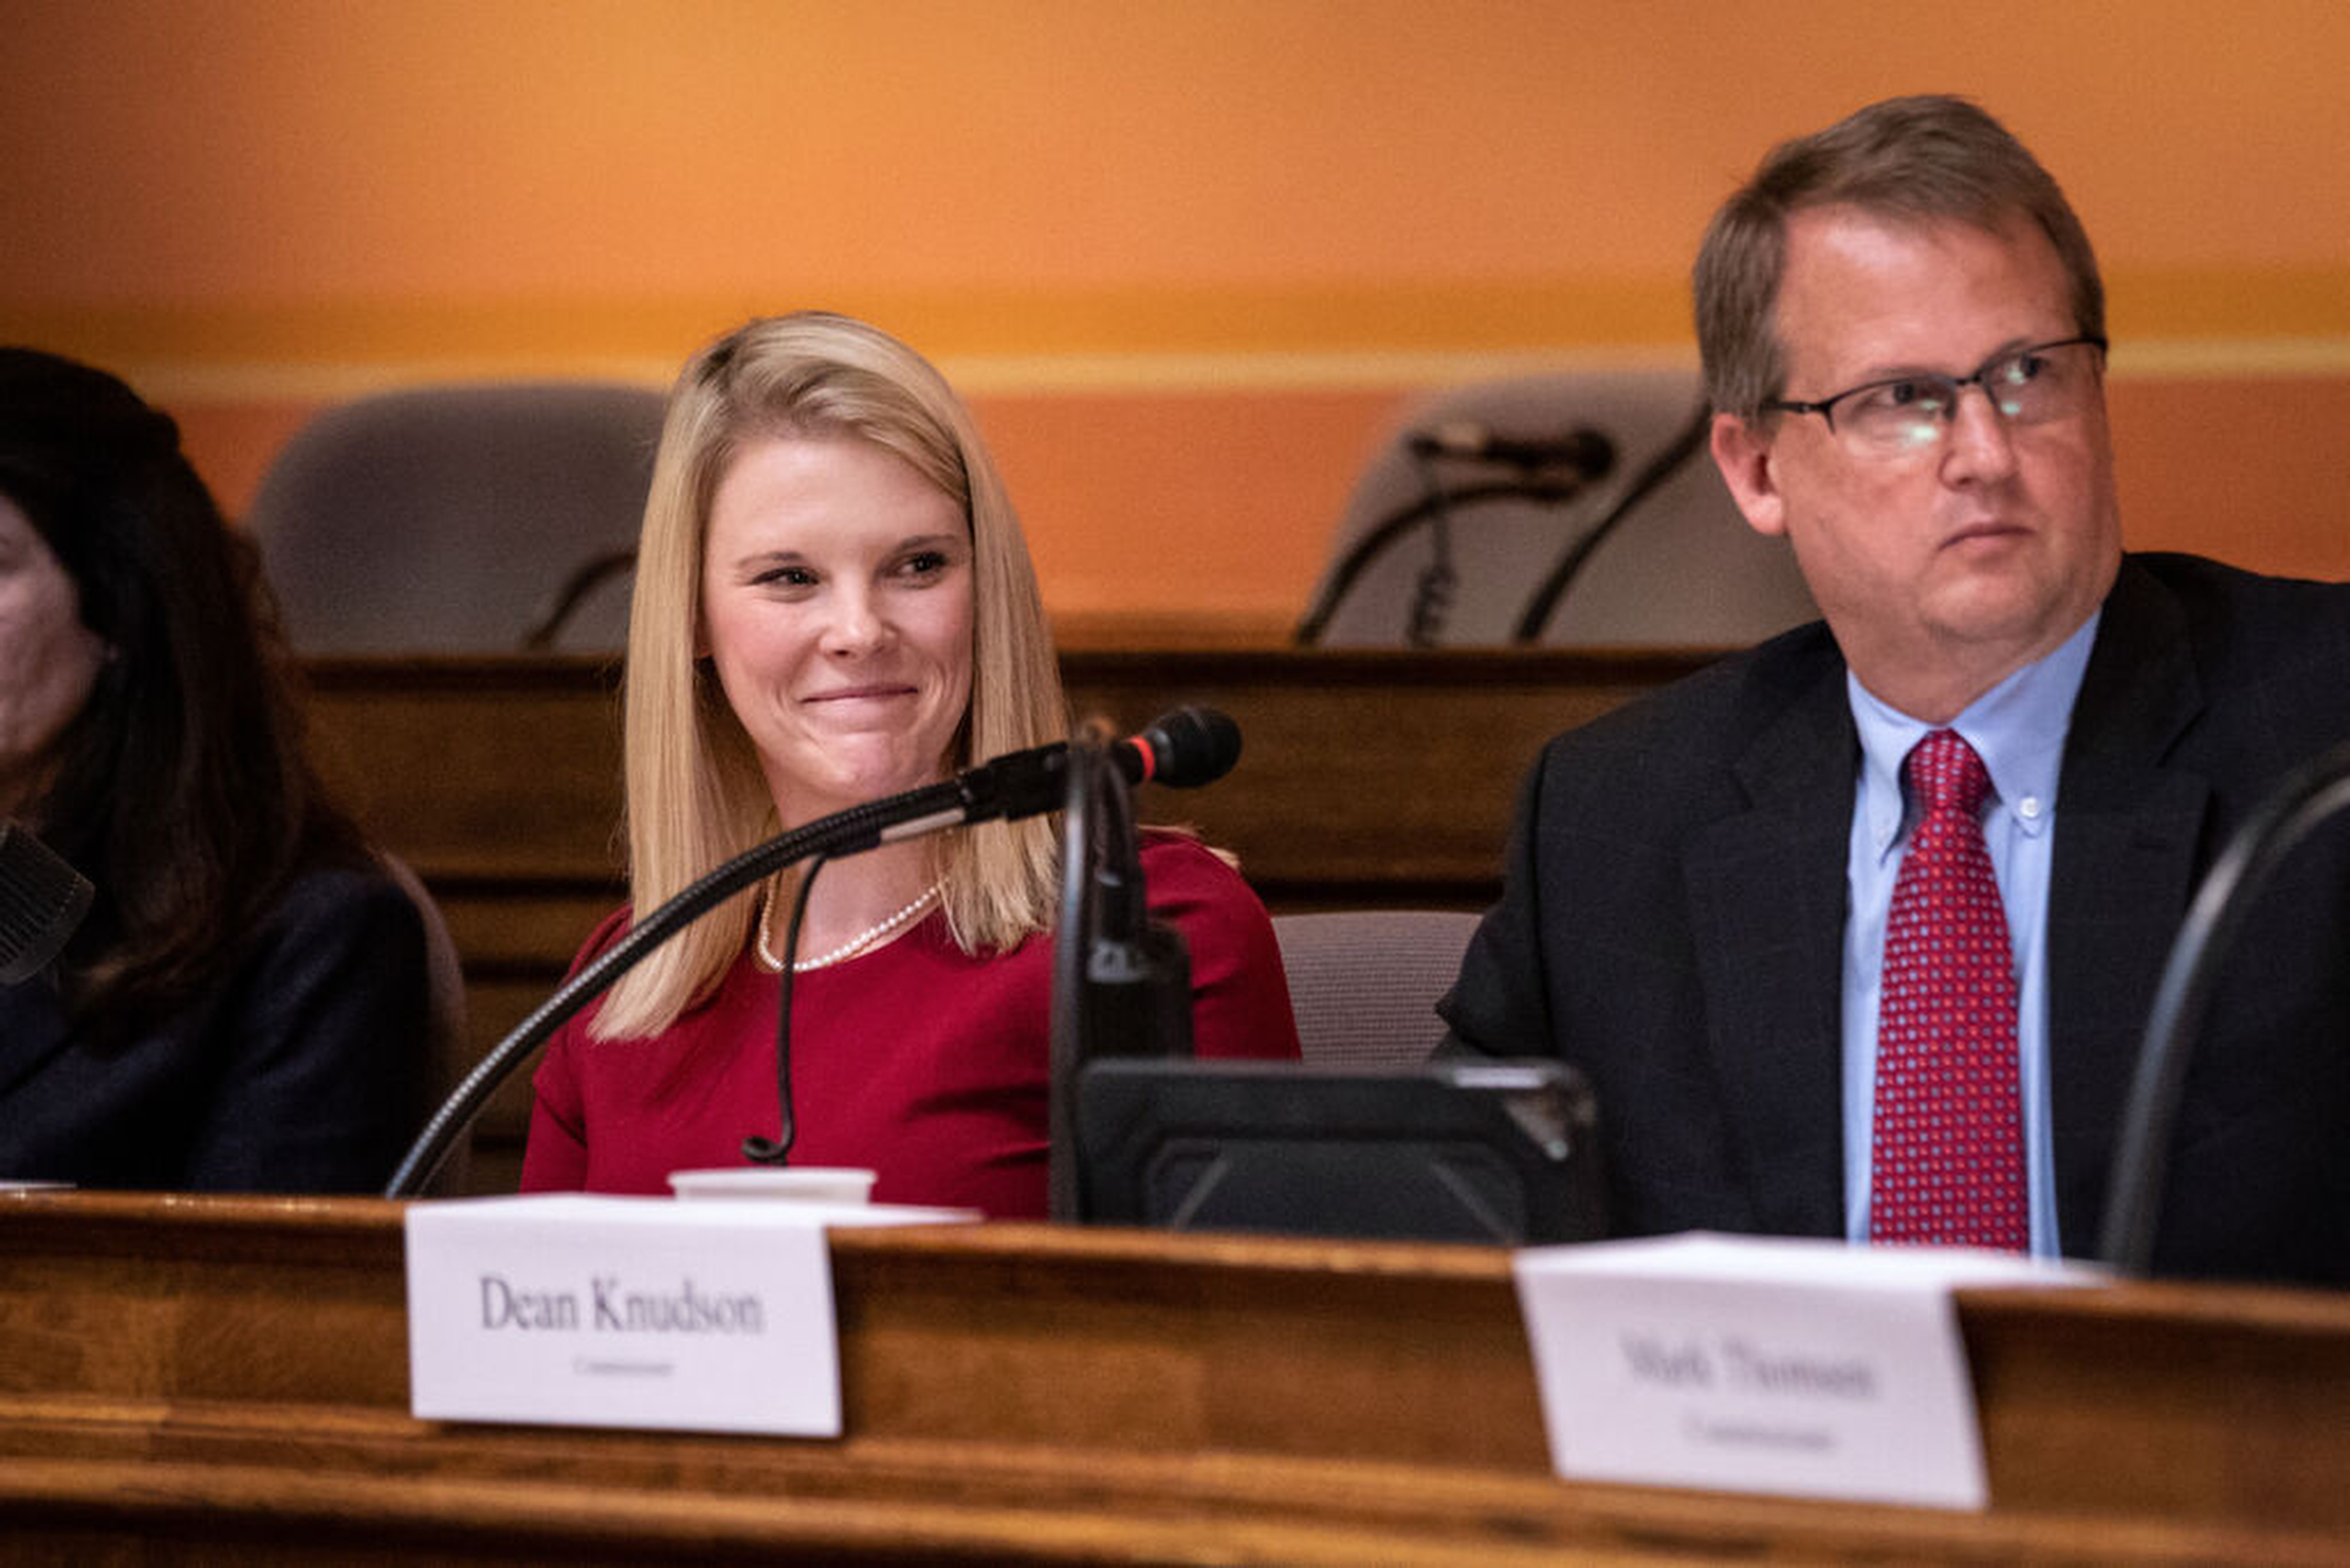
1780 1365
715 1315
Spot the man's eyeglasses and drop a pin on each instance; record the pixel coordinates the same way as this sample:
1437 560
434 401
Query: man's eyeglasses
1909 413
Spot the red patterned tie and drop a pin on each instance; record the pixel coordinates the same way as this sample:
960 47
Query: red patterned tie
1948 1161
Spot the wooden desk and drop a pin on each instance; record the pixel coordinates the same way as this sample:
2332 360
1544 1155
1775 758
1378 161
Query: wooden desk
228 1377
1367 778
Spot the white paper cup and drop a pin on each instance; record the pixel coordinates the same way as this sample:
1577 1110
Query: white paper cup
806 1183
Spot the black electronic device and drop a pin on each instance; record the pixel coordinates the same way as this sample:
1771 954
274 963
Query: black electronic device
42 902
1499 1152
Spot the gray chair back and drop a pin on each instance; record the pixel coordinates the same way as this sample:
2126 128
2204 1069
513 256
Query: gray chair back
448 1048
1364 984
1679 567
452 519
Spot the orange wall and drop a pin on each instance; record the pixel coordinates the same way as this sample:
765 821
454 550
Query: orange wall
1186 256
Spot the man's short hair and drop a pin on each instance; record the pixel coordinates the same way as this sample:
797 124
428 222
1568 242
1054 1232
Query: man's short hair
1917 158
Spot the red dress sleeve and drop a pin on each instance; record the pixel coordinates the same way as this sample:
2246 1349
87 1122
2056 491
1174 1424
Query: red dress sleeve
554 1156
1239 995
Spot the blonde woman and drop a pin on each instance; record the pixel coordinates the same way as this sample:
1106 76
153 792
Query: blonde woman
833 603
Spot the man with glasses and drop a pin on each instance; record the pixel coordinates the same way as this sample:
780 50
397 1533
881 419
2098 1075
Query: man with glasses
1856 933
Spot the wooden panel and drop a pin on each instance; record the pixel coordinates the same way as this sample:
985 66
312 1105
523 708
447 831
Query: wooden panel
194 1375
501 771
1367 778
1381 775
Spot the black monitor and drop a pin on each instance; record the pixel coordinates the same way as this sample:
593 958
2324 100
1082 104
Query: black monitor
1499 1152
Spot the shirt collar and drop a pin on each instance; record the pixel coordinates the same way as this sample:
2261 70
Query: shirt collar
2017 728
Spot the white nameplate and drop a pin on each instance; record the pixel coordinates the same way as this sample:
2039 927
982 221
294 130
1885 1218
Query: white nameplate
715 1315
1764 1365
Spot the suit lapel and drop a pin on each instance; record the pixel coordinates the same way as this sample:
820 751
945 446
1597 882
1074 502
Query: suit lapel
2127 846
1766 892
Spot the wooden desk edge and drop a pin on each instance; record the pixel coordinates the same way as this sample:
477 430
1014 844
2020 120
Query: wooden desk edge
1251 1326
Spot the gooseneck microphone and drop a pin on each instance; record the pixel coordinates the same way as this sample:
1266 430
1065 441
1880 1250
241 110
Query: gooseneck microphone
1585 451
1545 470
42 901
1187 748
1122 982
1183 749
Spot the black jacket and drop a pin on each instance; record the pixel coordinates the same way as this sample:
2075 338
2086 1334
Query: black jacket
1672 915
303 1070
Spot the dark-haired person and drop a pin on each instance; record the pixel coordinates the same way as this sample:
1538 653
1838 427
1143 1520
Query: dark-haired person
245 1006
1857 933
833 603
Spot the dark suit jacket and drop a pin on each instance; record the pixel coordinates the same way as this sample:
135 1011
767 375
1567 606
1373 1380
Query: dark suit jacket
304 1069
1672 915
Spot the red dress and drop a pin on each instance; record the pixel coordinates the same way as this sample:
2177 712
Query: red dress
916 1060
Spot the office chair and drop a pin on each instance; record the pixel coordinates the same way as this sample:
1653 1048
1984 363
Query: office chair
1364 984
1575 509
470 518
448 1050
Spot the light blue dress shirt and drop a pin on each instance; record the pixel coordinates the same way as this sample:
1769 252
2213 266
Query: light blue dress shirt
2018 729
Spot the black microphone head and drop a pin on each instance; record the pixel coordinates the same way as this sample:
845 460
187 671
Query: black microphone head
1585 451
1591 453
42 900
1192 746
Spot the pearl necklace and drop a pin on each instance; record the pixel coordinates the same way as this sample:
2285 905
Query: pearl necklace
855 944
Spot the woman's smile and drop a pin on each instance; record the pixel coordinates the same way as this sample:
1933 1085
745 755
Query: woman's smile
837 610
